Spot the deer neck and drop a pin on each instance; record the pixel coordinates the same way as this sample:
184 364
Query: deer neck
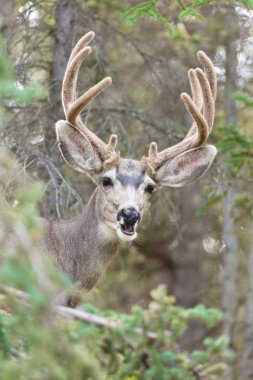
82 246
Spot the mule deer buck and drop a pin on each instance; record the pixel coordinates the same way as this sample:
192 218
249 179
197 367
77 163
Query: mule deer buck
83 246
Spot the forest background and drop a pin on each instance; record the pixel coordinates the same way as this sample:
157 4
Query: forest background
197 241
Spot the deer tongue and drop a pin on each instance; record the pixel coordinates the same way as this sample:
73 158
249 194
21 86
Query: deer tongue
128 230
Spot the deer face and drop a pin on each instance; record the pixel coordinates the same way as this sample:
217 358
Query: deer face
125 191
124 188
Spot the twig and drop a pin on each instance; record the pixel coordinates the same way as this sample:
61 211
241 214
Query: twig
14 292
103 321
82 315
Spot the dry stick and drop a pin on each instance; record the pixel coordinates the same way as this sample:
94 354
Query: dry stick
103 321
7 290
81 315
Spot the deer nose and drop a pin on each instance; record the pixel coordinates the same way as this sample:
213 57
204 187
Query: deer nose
129 215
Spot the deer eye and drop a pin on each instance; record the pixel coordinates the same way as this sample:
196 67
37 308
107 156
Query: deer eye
150 188
106 181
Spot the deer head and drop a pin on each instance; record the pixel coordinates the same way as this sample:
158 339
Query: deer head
125 185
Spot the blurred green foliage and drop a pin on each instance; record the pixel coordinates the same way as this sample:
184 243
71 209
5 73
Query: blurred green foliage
36 342
235 147
9 89
187 9
133 14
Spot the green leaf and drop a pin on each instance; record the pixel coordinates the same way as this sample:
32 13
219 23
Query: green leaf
247 3
200 356
245 100
190 12
221 342
133 14
213 200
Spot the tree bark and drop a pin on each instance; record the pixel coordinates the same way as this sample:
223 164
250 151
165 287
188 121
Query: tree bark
231 257
188 274
64 33
7 21
247 361
63 41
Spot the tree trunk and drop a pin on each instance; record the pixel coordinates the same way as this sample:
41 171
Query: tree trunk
247 362
64 32
188 278
7 21
231 257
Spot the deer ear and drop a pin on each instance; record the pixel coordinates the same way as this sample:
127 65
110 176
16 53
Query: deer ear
76 149
186 167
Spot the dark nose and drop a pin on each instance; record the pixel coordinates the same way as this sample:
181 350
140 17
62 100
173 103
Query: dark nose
129 215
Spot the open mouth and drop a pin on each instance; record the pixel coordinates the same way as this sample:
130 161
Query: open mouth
127 230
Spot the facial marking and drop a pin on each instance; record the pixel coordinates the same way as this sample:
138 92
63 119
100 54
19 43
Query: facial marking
133 179
127 192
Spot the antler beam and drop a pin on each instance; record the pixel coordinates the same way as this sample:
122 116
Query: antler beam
201 107
73 107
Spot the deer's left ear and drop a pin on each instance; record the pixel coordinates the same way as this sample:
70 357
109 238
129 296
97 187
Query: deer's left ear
186 167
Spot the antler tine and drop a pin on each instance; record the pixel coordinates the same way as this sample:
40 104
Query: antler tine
212 79
208 110
84 41
208 82
209 71
85 99
70 79
195 88
197 97
73 107
201 108
202 131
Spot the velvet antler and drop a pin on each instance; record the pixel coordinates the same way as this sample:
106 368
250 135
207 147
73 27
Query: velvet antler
73 107
201 108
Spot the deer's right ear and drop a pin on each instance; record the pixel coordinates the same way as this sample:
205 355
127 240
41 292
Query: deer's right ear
76 149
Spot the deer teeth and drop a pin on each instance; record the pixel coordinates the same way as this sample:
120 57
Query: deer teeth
126 236
128 230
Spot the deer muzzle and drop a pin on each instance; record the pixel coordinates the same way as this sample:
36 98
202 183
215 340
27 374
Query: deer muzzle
128 219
